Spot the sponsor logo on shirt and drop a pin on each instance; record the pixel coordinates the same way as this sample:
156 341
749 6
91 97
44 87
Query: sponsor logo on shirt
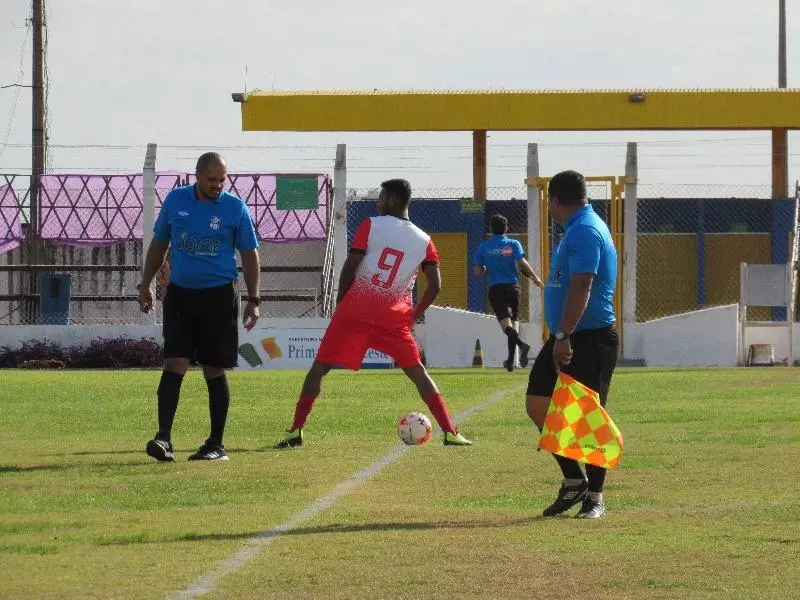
198 247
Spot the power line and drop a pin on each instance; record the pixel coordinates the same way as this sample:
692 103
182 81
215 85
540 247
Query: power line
20 75
406 147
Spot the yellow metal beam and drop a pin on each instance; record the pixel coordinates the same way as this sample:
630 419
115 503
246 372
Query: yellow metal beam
589 110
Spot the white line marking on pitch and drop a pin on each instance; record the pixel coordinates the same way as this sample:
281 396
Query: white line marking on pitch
208 581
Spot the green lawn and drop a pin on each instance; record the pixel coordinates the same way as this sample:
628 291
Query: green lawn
704 503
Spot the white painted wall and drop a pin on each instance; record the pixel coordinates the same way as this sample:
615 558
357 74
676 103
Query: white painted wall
707 338
280 330
69 335
13 336
450 336
633 347
702 338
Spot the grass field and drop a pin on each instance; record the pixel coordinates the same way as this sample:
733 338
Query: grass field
704 504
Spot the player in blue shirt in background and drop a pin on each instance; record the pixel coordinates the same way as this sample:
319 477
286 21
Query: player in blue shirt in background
502 259
579 310
205 226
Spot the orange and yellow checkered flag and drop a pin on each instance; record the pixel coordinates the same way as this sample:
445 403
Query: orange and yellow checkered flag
577 427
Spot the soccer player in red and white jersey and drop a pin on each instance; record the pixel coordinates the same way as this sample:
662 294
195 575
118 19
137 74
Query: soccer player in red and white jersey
375 309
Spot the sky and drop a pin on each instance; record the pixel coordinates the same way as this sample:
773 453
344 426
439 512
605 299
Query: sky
123 73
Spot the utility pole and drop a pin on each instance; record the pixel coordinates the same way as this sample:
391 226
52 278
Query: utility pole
38 147
38 141
780 137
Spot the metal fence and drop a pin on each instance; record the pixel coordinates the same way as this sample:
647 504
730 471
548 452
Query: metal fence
689 249
84 264
690 241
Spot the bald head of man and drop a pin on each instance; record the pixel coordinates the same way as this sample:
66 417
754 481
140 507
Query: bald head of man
211 172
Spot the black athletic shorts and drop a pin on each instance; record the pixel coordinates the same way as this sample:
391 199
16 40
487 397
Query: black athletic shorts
202 325
594 357
504 298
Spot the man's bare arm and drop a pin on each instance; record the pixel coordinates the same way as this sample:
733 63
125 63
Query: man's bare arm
251 269
348 274
434 280
526 269
156 254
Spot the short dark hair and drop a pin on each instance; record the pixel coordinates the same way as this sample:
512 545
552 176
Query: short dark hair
569 187
499 224
208 159
398 188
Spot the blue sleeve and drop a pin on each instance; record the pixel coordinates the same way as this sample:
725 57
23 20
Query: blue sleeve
480 258
245 233
584 247
519 253
162 229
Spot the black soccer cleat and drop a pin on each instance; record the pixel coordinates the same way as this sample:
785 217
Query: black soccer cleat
568 496
508 365
592 508
523 355
292 439
210 450
161 450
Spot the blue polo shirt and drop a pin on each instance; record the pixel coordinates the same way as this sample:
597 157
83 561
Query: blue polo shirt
587 247
204 235
499 254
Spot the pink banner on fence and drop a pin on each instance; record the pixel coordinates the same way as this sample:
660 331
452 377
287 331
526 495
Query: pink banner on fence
281 226
96 210
10 219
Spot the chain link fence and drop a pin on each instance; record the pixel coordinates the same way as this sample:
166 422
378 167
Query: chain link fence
84 266
456 225
690 242
689 249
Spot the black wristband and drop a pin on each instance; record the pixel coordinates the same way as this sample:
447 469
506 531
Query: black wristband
253 299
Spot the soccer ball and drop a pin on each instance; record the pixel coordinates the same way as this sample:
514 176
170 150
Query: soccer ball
414 429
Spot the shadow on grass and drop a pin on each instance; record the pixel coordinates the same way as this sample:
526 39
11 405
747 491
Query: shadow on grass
140 451
321 530
88 466
32 468
96 452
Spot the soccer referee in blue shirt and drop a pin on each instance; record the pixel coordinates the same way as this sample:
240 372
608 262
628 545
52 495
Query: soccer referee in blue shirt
502 259
205 225
579 310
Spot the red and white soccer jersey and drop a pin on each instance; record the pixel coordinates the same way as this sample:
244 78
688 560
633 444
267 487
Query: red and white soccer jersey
377 311
393 251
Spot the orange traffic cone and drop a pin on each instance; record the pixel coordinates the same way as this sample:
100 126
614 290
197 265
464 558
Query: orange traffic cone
477 356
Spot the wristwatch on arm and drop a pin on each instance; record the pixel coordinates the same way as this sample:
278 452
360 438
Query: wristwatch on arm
560 335
253 299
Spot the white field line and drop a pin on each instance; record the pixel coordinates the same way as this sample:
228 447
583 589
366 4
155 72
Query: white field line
208 581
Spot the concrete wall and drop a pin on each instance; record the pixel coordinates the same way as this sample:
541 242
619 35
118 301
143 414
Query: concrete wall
121 283
68 335
703 338
708 338
450 336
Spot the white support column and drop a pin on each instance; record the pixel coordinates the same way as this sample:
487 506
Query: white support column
535 314
794 272
630 217
148 215
339 215
742 350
